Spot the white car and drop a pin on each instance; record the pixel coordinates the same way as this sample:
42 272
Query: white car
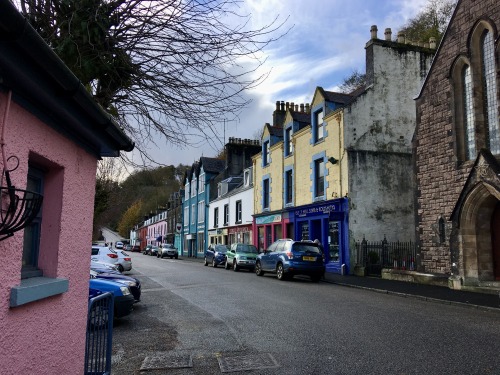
104 254
124 261
119 245
167 250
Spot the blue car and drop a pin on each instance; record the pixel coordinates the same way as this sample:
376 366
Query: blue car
215 255
123 299
287 258
133 284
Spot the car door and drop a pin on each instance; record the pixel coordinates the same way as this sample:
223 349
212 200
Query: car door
231 254
265 257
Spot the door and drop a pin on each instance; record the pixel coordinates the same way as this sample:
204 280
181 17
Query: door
495 240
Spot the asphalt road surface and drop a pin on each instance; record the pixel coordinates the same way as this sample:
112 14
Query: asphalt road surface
200 320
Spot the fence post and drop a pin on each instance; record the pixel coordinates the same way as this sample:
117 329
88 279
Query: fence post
364 251
385 251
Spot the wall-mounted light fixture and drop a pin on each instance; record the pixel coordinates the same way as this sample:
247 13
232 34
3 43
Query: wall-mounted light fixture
332 160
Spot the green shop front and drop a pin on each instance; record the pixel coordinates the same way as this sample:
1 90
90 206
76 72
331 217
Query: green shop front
327 222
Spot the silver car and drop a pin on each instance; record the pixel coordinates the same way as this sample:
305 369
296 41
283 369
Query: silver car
167 250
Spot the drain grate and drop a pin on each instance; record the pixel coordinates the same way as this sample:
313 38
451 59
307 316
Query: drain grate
164 361
247 362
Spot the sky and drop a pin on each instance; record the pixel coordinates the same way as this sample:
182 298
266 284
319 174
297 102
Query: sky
325 45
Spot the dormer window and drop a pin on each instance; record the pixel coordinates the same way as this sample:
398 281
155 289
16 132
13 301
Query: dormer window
265 153
288 141
247 177
318 124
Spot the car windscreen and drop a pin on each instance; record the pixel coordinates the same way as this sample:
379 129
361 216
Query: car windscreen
221 249
246 249
305 249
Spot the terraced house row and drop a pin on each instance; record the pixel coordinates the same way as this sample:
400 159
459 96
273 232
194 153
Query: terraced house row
412 155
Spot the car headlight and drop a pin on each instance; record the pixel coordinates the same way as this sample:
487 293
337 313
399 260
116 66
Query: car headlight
125 290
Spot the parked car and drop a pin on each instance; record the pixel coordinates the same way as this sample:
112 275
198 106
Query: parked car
215 255
154 251
167 250
104 254
124 262
103 267
132 283
123 298
119 245
127 247
241 255
287 258
147 250
136 248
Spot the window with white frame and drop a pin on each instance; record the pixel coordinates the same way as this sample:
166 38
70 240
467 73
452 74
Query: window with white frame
265 194
238 211
201 183
193 212
318 123
216 217
201 211
226 214
193 187
186 216
319 178
186 191
265 153
288 141
289 186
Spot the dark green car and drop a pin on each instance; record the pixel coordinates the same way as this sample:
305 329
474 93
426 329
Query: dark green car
241 255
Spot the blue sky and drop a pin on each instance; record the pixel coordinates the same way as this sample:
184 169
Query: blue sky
325 45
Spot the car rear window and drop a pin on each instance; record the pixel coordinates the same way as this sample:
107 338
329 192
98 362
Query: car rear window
221 249
305 249
95 251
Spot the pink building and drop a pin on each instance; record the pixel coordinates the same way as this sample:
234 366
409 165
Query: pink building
56 133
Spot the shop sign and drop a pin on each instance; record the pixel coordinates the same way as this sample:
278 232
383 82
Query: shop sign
268 219
240 229
317 210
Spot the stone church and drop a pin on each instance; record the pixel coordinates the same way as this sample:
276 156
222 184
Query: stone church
457 152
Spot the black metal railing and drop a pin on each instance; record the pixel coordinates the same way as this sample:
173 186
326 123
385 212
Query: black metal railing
384 254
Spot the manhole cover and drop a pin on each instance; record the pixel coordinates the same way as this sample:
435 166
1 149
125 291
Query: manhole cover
247 362
162 361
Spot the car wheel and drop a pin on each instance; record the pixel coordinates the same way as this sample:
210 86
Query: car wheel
98 317
258 269
205 263
176 257
120 268
214 265
226 265
235 266
280 272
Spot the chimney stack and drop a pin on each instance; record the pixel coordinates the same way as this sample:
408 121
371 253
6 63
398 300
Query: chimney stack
373 31
388 34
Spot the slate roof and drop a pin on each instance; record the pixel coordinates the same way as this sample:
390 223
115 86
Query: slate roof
212 165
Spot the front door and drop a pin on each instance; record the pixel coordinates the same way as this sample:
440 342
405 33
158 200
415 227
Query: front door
495 240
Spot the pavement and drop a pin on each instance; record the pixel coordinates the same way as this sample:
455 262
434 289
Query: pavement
425 292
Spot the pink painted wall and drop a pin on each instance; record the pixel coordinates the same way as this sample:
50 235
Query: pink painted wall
48 336
155 230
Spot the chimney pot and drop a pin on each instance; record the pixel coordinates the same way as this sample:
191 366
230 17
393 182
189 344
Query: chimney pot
287 105
401 37
308 109
278 105
282 105
388 33
302 108
373 31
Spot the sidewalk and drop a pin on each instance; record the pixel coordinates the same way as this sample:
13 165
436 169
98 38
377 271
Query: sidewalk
411 290
421 291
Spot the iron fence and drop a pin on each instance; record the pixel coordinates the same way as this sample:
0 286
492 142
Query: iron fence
99 335
383 254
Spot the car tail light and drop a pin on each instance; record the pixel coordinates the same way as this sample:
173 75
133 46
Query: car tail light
289 254
112 256
127 259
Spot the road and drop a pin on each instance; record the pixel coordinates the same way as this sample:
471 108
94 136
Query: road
200 320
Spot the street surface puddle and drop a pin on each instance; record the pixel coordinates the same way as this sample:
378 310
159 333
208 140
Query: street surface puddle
161 361
247 362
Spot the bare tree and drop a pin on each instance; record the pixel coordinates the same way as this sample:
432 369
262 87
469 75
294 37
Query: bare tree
169 71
